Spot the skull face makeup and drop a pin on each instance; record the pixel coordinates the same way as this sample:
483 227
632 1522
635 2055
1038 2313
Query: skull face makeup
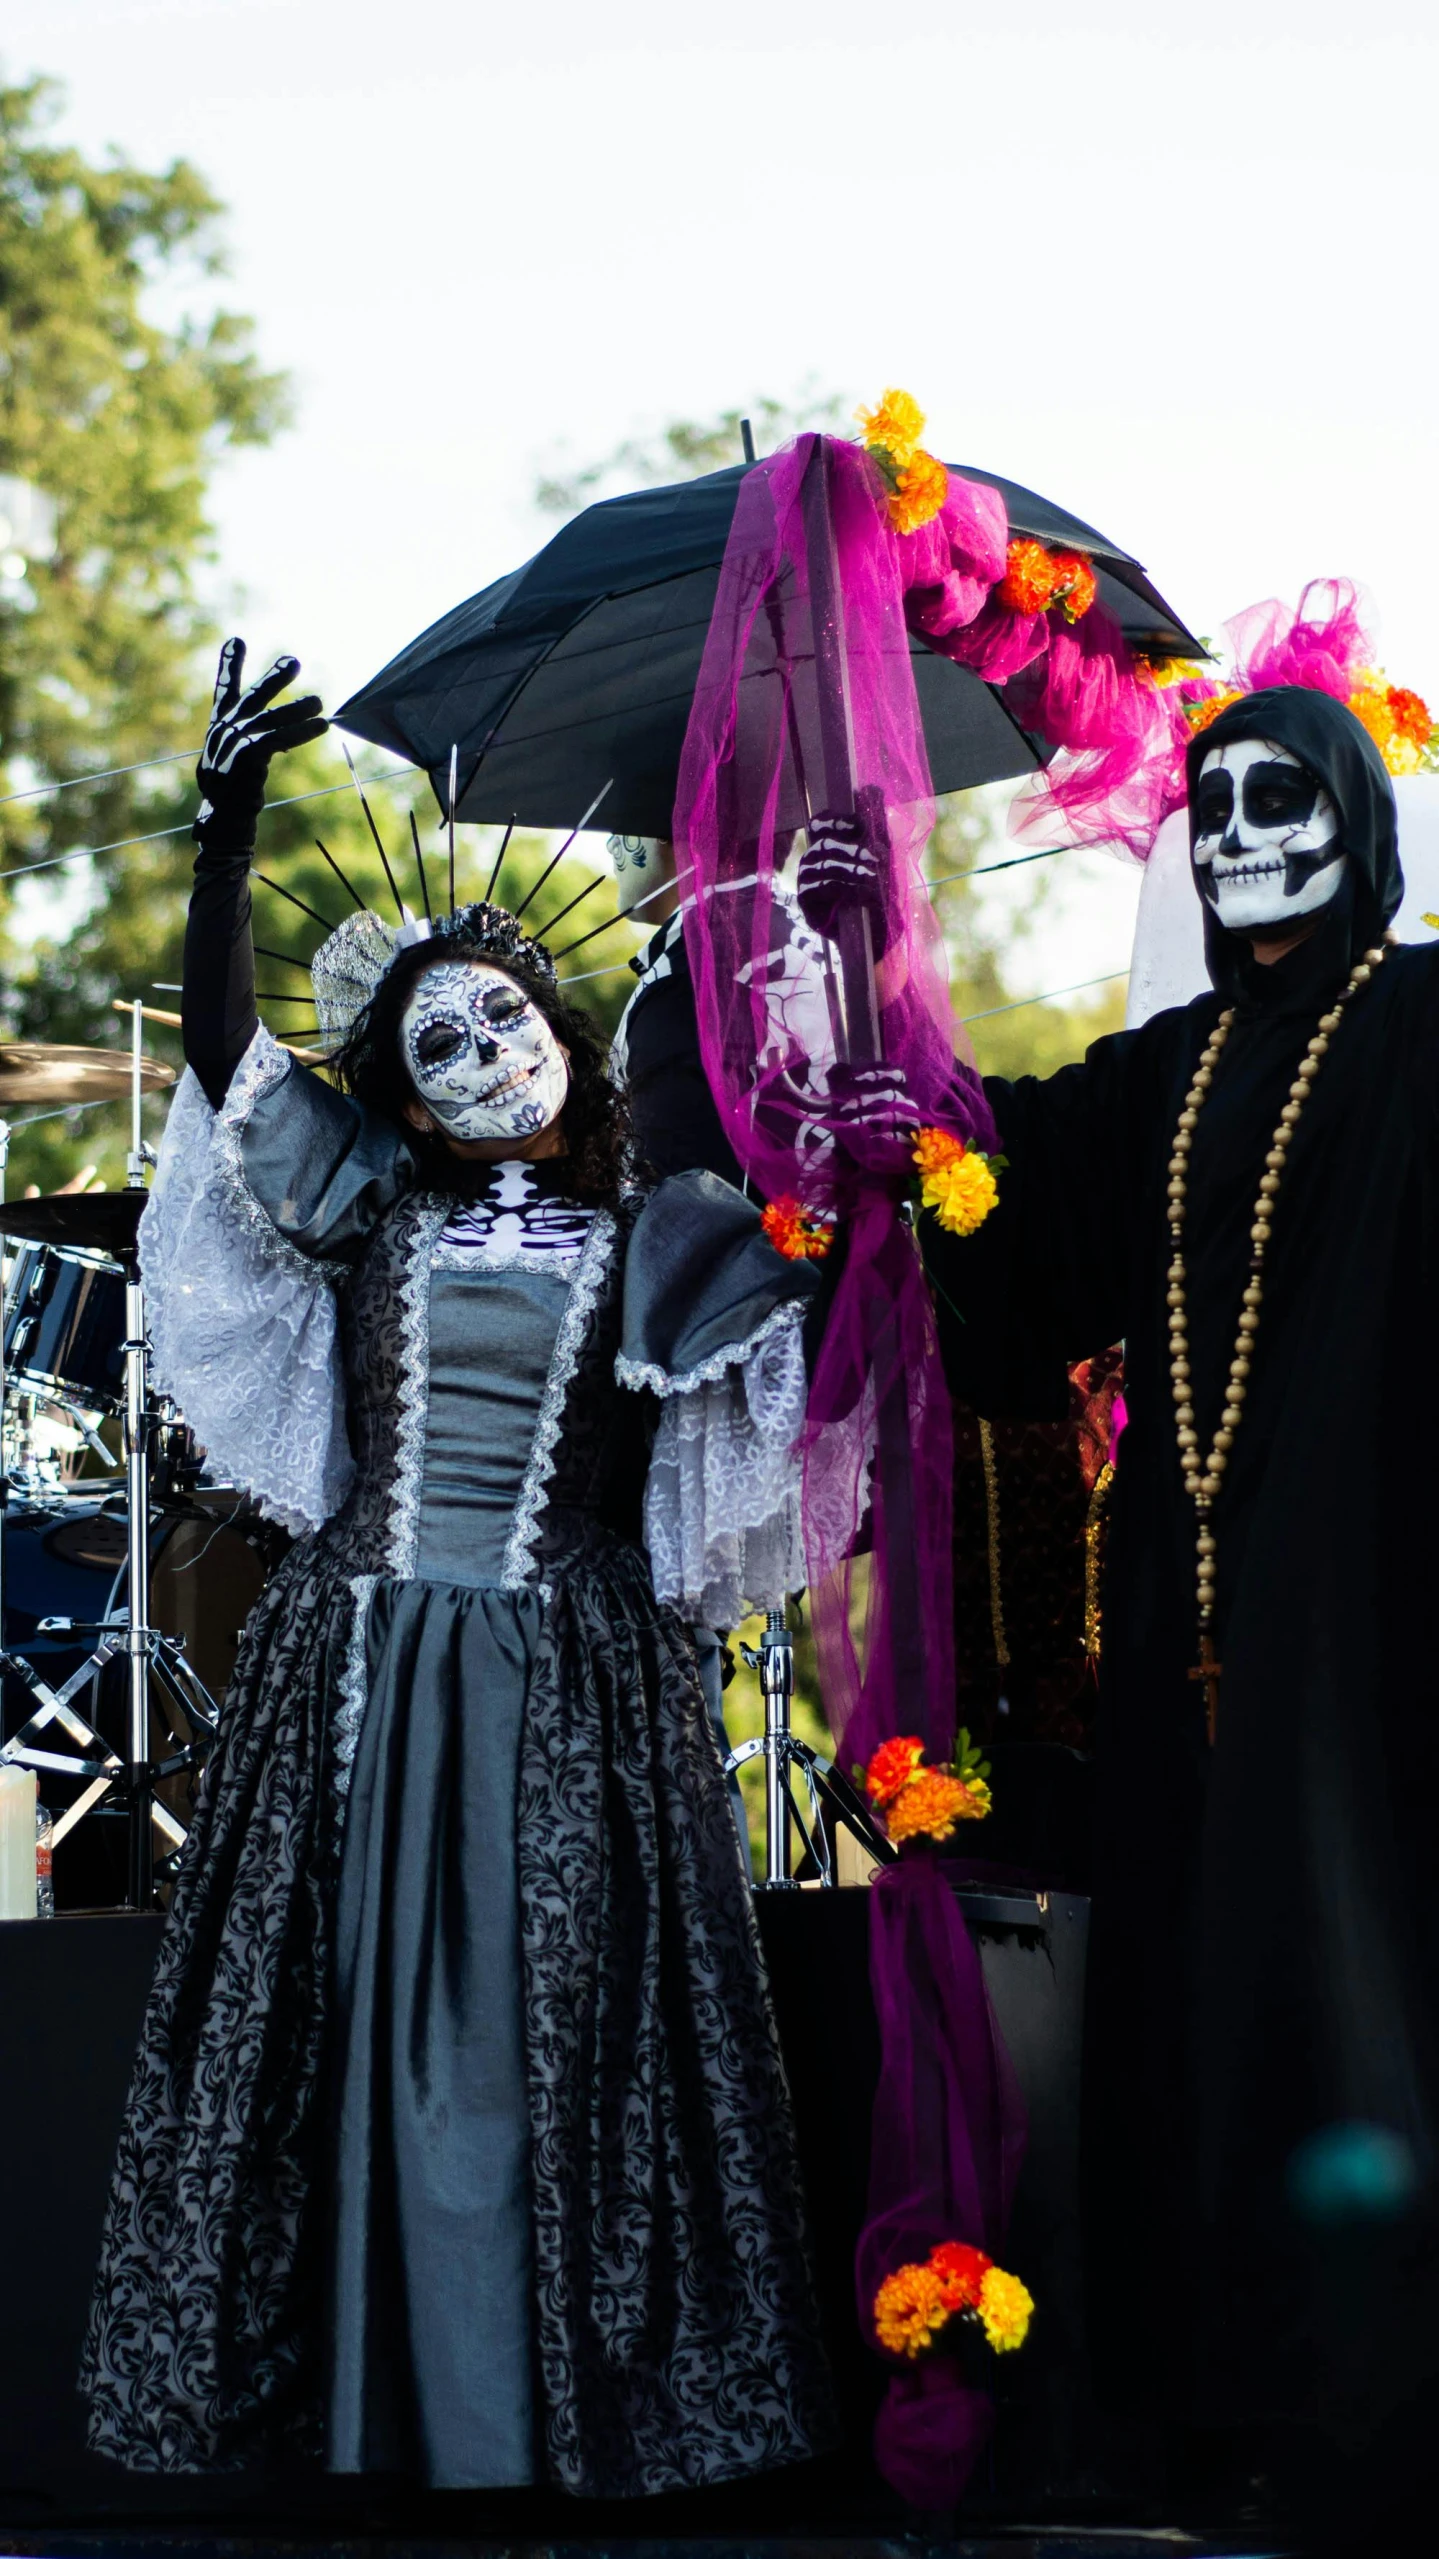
1266 848
483 1061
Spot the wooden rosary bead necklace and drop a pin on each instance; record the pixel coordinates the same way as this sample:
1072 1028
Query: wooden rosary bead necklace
1203 1476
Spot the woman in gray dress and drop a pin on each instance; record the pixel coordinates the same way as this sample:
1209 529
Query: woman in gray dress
458 2142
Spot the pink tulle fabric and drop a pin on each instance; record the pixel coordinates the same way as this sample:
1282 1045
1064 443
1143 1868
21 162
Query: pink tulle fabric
948 2144
1120 770
805 706
1326 642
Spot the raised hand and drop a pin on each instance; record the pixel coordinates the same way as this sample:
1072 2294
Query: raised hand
862 1114
840 869
873 1117
244 733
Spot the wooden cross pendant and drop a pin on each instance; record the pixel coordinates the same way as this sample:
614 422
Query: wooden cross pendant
1211 1671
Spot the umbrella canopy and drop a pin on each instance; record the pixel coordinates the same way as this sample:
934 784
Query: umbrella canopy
579 668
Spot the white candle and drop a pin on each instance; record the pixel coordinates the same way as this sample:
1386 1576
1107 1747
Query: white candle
17 1843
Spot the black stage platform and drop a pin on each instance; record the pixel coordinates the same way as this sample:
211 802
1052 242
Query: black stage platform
71 1995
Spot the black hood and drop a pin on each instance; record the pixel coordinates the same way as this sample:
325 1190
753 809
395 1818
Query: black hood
1339 750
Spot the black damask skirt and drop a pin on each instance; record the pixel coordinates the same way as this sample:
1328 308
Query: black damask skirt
458 2141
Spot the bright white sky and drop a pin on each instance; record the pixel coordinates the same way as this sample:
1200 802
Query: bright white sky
1173 268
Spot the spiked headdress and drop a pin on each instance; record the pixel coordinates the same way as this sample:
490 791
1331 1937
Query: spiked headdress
355 957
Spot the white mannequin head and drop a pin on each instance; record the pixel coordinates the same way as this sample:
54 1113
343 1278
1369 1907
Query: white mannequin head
1266 847
643 864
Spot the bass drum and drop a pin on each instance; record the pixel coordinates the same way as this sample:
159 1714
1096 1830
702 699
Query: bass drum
65 1326
209 1561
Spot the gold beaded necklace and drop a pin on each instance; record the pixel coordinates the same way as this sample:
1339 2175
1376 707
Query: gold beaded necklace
1203 1476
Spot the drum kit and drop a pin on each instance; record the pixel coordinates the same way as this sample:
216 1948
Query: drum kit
119 1609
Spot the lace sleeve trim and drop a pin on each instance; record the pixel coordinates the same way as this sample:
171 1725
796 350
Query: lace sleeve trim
722 1501
243 1327
264 1067
589 1279
637 1373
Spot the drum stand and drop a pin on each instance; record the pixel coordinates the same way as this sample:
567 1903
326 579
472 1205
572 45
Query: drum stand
784 1755
130 1781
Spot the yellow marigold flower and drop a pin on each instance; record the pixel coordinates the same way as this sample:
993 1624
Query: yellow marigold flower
930 1805
923 488
1162 672
961 1195
909 2309
896 422
1006 2307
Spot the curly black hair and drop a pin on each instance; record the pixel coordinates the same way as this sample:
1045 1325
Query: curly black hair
595 1120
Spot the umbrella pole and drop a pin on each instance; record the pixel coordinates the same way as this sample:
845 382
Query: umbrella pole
836 744
864 1045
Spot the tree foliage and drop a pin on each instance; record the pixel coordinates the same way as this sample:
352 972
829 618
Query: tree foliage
121 422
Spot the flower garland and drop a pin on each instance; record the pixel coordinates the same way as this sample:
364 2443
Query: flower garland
1326 643
916 2302
1400 723
915 1802
793 1232
1037 580
916 483
956 1182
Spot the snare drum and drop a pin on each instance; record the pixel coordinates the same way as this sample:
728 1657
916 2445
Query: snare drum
65 1327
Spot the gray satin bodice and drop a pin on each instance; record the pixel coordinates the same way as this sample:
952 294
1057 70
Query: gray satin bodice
492 1334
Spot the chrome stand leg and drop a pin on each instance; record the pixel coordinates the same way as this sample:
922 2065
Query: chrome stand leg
138 1638
785 1756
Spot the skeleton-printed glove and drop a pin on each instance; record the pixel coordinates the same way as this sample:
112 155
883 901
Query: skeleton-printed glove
841 871
873 1117
244 733
863 1114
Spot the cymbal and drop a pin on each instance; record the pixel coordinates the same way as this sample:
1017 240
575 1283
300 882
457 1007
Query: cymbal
90 1221
42 1071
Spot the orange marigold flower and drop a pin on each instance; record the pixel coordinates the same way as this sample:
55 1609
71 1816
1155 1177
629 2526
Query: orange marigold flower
1412 716
798 1237
1075 584
892 1766
961 2271
909 2309
1006 2307
1027 585
937 1148
1199 714
930 1805
1397 720
895 423
923 488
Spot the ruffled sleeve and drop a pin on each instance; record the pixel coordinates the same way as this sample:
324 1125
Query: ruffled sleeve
255 1210
713 1320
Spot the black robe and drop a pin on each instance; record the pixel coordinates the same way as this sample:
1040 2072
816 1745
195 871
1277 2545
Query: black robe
1265 1953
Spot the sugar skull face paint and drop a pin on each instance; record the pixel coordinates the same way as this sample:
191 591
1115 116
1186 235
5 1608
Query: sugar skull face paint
483 1061
1266 840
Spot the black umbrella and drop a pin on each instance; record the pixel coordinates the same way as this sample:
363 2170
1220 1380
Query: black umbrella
579 668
